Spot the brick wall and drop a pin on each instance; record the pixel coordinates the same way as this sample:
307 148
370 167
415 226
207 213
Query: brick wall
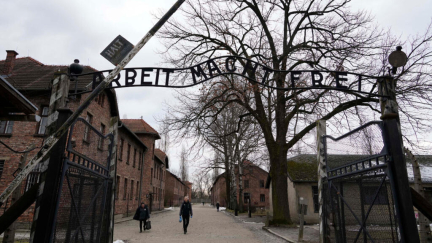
25 133
128 197
255 177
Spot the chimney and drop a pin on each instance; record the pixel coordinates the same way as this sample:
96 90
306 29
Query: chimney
9 62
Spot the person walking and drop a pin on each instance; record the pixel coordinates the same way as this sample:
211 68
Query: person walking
217 206
185 212
142 214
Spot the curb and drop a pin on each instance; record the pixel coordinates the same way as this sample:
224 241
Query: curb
278 235
131 217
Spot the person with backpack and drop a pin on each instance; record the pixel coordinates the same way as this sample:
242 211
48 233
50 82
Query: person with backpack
217 206
142 214
185 212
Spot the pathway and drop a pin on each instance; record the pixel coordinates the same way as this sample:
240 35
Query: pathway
207 225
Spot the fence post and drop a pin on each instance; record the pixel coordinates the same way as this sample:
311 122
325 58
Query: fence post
43 227
58 99
322 175
397 165
424 231
113 129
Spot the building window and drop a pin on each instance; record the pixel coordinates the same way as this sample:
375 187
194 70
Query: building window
101 99
89 119
151 177
44 120
315 198
128 154
246 184
261 183
137 191
132 190
117 187
101 139
262 198
369 194
246 197
6 127
139 160
2 162
125 189
134 158
121 149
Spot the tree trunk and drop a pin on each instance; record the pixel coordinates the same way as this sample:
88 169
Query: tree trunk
279 176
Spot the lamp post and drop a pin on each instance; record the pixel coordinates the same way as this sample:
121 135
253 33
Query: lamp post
75 69
397 170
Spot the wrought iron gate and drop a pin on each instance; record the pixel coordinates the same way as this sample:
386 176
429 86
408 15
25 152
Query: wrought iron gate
84 203
358 199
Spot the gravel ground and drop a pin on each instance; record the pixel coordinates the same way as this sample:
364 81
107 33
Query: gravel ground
207 225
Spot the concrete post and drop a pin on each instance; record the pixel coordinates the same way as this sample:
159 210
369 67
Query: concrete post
424 231
397 165
322 175
58 100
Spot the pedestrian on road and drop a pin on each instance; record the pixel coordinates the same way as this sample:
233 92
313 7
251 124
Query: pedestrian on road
142 214
203 203
185 212
217 206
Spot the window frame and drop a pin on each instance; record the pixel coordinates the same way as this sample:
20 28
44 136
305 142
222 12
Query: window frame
8 127
315 198
44 117
87 129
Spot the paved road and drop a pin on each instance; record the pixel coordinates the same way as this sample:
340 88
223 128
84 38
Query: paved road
207 225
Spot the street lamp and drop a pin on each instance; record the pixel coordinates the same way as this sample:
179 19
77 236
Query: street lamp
397 59
75 69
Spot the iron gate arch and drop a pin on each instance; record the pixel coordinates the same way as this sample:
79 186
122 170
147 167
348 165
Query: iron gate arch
84 201
359 205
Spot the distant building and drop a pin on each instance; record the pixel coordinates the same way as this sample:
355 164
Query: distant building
176 190
303 182
253 187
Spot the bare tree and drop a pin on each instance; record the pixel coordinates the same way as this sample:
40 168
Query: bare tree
290 35
184 168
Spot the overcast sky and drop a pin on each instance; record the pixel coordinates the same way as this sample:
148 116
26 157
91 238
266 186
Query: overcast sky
57 32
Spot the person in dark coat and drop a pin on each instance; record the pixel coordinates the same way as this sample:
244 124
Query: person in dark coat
217 206
185 212
142 214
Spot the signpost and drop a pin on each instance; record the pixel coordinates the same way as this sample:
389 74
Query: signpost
117 50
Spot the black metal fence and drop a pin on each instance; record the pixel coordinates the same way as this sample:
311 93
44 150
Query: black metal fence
358 198
84 203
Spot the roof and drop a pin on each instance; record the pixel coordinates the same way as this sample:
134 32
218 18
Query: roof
30 74
425 163
124 127
176 177
139 126
161 156
13 101
303 168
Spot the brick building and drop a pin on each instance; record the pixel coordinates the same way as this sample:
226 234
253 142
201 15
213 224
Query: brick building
175 190
34 79
154 167
129 186
253 187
